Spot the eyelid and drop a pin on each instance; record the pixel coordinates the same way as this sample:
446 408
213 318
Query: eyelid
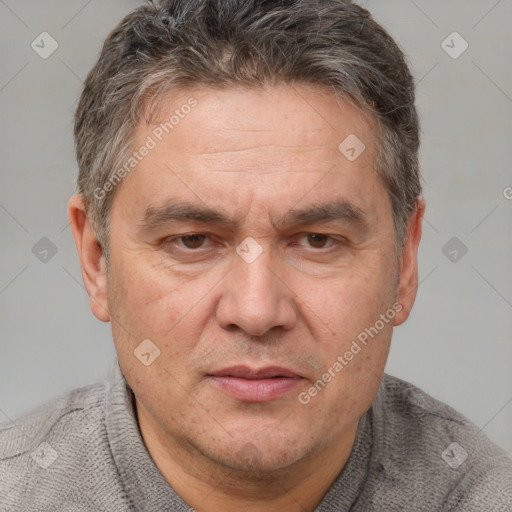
179 238
335 240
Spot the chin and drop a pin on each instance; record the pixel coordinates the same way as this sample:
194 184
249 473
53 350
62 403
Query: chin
259 459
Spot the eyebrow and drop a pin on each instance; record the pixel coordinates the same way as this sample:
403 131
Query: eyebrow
182 211
337 210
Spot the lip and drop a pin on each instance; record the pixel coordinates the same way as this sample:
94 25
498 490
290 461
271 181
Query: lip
246 372
255 385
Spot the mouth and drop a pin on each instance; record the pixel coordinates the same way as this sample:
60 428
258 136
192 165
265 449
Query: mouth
255 385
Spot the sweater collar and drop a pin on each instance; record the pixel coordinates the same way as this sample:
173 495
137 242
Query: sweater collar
144 485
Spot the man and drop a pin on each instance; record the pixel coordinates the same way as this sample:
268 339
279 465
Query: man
248 219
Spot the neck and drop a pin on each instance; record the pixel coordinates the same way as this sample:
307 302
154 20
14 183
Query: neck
208 486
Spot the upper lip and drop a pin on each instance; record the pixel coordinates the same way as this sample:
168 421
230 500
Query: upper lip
246 372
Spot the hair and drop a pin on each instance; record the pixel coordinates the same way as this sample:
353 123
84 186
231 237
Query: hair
174 45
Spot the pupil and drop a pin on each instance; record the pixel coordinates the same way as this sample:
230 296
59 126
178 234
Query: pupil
193 241
317 240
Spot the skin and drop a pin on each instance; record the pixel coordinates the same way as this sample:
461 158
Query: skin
255 155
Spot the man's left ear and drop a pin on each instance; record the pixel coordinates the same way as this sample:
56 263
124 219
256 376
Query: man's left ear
408 277
92 260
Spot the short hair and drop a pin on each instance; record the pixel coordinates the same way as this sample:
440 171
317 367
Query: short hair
173 45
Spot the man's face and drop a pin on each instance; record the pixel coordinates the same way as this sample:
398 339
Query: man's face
318 269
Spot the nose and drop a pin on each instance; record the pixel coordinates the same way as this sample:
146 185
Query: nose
255 298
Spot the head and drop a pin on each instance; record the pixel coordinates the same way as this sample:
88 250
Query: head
249 195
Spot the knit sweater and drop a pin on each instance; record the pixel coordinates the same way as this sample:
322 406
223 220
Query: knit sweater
84 452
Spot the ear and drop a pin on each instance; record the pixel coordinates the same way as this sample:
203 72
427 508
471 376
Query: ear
92 260
408 277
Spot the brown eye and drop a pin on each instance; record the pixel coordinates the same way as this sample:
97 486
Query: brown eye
193 241
317 241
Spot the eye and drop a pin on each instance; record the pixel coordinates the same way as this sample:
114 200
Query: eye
319 241
194 241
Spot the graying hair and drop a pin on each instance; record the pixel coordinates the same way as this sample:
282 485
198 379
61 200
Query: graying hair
173 45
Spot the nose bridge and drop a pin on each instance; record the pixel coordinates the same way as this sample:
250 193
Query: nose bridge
255 280
254 299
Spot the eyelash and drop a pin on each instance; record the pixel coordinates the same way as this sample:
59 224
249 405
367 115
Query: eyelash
334 241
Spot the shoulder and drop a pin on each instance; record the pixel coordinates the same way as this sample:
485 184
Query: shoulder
66 428
430 451
18 436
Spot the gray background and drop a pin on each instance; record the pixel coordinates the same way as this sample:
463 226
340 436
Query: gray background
456 344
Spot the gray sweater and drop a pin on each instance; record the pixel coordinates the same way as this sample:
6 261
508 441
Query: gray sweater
84 452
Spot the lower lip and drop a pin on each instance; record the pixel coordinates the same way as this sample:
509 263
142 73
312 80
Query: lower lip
256 390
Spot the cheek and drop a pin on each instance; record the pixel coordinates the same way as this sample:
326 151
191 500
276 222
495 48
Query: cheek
152 300
343 305
351 336
148 304
351 378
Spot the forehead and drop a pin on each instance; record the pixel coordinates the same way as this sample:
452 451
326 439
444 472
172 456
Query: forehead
238 146
301 114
